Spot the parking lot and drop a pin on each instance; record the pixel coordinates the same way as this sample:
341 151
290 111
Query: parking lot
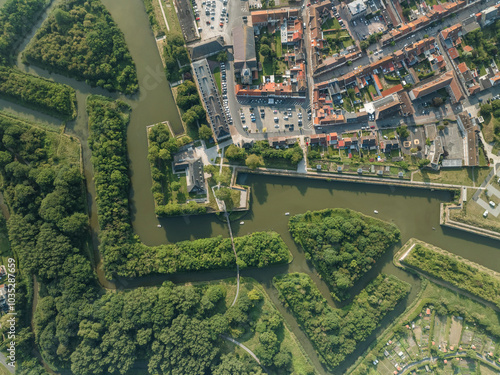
186 20
223 80
363 27
212 17
273 119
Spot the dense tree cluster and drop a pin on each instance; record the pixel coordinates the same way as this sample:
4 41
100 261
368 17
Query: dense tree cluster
175 56
343 244
47 228
161 149
123 253
188 100
80 39
38 93
455 271
293 154
16 19
336 332
485 43
172 329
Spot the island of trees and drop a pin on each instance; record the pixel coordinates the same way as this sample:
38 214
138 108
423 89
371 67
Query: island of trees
81 40
161 149
455 270
336 332
16 19
342 244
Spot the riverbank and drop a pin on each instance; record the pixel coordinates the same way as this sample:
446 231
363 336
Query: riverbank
431 330
348 178
445 220
450 270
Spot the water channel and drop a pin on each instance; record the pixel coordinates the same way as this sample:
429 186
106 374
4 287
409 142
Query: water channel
415 211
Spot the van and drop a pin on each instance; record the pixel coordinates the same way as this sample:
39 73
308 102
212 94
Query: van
492 204
276 119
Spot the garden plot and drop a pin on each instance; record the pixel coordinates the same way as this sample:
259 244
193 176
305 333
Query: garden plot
440 339
455 331
467 336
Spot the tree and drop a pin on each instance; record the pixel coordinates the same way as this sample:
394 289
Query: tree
364 45
176 185
234 152
265 50
221 56
253 161
403 131
441 127
437 101
205 132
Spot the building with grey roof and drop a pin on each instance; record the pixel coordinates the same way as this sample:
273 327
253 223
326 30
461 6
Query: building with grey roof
357 9
245 58
206 48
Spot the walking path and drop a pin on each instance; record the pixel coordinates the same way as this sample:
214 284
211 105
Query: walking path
235 257
245 349
163 12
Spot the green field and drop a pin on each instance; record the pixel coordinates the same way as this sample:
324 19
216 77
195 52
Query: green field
455 176
217 79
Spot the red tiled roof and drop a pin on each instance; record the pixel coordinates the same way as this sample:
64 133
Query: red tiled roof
453 53
468 49
462 67
392 90
377 82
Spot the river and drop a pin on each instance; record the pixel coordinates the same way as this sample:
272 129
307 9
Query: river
415 211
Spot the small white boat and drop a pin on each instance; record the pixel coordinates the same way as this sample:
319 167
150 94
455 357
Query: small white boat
287 213
376 212
159 225
242 222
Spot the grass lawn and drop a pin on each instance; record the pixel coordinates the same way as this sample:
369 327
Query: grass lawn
473 215
455 176
217 79
347 42
488 129
173 21
390 133
277 42
372 90
332 23
267 66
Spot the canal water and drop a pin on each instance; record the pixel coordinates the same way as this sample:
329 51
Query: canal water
414 211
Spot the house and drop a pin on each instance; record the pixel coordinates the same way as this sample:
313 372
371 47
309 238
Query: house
273 16
453 53
333 138
187 162
387 145
368 142
451 33
318 140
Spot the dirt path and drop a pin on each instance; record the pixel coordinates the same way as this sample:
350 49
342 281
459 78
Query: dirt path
245 349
